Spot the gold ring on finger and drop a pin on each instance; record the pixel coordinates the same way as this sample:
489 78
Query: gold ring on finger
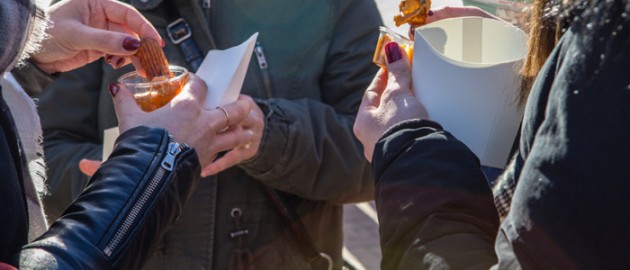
227 117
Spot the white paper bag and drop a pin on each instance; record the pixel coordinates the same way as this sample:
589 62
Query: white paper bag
465 71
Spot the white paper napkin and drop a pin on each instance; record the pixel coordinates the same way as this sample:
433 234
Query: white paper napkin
224 72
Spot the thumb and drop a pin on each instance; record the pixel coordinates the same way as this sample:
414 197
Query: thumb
399 69
125 105
372 96
106 41
89 166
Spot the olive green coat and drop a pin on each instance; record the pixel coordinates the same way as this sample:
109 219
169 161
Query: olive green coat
319 64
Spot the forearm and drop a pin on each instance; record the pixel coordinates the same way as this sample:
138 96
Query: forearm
434 206
308 149
128 205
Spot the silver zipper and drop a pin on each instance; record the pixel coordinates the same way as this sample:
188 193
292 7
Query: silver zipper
262 60
167 165
169 160
262 64
206 4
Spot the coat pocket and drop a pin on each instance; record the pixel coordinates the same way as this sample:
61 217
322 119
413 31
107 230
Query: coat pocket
281 253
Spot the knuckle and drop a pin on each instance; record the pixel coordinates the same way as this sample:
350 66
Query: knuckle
197 82
113 44
197 85
187 107
248 98
240 112
356 131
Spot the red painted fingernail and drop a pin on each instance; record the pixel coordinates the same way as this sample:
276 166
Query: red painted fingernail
131 44
430 13
392 51
120 62
108 58
113 89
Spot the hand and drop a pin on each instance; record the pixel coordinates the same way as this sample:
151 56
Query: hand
255 124
89 166
387 101
4 266
186 119
83 31
452 12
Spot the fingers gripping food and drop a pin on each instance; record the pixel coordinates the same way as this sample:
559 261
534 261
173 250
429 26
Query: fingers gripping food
414 12
387 36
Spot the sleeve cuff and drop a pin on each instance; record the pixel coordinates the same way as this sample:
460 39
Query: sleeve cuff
397 138
275 133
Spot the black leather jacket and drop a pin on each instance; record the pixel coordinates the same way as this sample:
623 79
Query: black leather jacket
130 202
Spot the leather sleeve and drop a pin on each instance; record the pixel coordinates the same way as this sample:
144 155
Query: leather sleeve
433 202
308 147
126 208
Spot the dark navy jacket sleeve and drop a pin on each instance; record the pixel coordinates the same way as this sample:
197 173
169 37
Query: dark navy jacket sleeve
434 205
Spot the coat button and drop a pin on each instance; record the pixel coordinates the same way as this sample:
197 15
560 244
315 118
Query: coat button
236 212
144 5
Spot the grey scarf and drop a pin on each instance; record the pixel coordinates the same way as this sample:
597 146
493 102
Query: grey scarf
19 26
15 18
22 28
30 133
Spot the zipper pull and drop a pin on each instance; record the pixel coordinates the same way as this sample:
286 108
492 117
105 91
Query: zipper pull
169 160
260 55
206 4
